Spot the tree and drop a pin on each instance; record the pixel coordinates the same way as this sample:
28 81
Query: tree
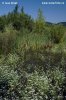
26 21
40 22
2 24
16 9
22 10
40 16
17 24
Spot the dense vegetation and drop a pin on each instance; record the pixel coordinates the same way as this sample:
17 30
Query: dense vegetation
32 58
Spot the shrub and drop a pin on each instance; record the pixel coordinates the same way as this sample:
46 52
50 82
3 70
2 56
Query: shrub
8 81
45 85
57 33
12 60
57 78
7 41
37 86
